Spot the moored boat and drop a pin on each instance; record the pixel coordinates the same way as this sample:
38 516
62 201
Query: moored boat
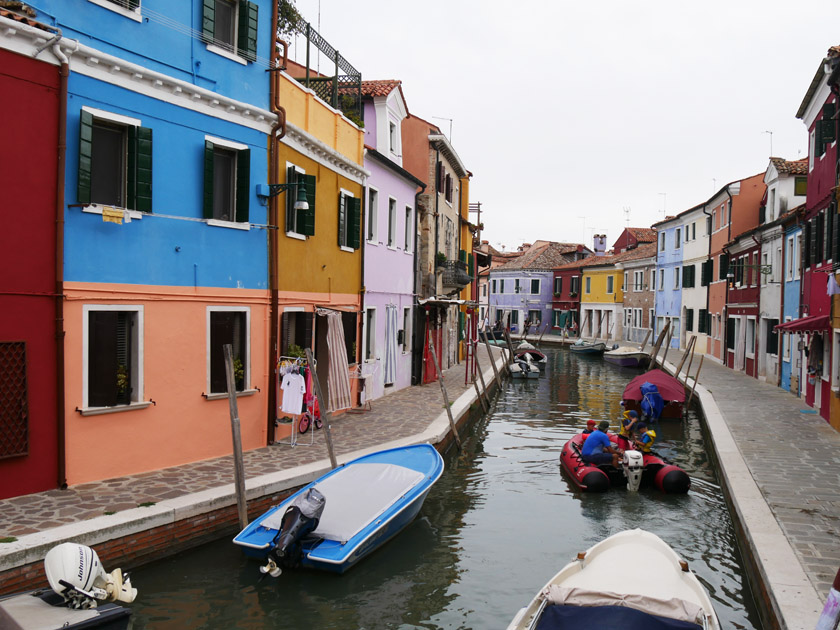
627 356
581 346
631 580
343 516
638 470
654 395
524 369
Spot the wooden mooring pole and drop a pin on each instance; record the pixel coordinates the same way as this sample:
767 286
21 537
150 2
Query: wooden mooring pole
327 417
485 403
238 466
445 396
492 361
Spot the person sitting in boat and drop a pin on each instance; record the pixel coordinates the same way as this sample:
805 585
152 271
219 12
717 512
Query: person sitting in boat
597 448
628 424
645 437
590 427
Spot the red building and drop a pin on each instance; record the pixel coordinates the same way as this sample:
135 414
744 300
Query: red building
30 306
743 282
565 303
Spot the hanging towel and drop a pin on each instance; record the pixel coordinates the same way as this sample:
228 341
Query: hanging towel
833 288
338 379
390 344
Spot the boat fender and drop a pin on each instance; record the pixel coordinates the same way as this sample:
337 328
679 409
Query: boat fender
672 480
596 481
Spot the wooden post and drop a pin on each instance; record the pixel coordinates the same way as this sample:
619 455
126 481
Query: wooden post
238 466
326 416
510 347
685 354
492 361
486 402
654 351
547 326
644 343
445 396
695 381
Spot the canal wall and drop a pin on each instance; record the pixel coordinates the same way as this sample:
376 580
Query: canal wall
136 536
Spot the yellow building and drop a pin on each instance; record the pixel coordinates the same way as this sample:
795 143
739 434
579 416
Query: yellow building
601 298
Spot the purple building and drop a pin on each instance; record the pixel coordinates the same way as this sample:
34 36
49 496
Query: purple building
390 243
522 290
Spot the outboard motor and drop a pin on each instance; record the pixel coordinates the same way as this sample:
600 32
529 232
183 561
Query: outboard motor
633 465
75 572
300 519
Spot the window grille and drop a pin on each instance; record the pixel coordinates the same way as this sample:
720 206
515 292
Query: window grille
14 407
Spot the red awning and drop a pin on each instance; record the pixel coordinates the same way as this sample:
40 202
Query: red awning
815 323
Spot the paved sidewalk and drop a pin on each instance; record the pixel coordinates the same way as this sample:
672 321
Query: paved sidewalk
406 412
782 464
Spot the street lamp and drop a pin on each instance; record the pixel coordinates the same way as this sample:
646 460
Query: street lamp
300 203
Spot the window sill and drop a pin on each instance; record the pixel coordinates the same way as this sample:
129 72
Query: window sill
392 248
129 13
300 237
409 252
226 54
244 392
344 248
96 208
99 411
234 225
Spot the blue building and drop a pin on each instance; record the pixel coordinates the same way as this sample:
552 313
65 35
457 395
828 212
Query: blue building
791 286
668 290
168 120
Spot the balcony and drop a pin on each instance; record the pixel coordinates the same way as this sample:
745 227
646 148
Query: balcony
455 274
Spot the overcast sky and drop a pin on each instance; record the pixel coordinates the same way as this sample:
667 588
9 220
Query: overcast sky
568 114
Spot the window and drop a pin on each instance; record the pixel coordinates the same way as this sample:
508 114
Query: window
127 8
14 412
835 365
610 283
723 266
501 285
676 277
693 231
688 276
228 325
450 239
392 137
483 290
392 222
448 188
409 229
625 287
534 317
493 288
575 288
406 331
797 255
661 279
370 334
588 284
772 336
765 260
227 180
372 213
535 286
689 320
786 342
115 161
558 285
300 221
231 26
638 280
516 286
113 347
677 236
750 337
701 321
514 317
662 241
653 279
800 186
349 220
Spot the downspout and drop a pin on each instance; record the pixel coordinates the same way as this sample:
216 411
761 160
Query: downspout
278 130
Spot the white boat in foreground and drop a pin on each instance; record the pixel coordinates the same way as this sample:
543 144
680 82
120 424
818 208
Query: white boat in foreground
632 580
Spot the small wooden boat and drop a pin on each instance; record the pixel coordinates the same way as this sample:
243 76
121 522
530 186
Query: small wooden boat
581 346
524 369
343 516
632 580
627 356
527 352
638 470
654 395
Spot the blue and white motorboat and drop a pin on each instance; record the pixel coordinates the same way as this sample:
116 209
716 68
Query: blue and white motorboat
343 516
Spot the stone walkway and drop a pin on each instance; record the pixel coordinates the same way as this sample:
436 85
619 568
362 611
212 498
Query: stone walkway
404 413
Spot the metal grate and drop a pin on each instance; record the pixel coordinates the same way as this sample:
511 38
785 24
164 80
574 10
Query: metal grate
14 410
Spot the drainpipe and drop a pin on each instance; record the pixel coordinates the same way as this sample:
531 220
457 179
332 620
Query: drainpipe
278 130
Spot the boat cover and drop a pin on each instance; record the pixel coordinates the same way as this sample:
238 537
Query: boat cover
356 495
556 617
673 608
669 387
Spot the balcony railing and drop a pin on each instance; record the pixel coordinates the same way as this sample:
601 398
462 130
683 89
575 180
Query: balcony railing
455 274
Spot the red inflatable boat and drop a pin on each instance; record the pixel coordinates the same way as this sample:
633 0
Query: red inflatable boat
592 478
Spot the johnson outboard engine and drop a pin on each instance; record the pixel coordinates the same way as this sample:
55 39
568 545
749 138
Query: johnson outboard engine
75 572
633 465
300 519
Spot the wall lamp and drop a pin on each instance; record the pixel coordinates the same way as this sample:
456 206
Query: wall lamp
272 190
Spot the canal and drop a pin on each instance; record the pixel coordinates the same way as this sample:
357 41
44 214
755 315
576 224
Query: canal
500 522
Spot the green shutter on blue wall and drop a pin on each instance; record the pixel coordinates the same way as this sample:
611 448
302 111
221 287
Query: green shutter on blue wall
306 218
243 186
354 215
140 169
208 179
247 44
85 150
208 20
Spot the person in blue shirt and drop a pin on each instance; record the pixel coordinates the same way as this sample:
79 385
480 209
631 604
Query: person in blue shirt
597 448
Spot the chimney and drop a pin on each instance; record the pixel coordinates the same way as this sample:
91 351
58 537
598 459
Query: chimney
600 244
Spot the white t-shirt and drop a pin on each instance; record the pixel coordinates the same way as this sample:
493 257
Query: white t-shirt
293 387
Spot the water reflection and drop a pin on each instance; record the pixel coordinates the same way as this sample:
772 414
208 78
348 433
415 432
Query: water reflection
498 524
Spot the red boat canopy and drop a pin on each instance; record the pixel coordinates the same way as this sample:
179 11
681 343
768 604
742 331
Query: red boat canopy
815 323
669 388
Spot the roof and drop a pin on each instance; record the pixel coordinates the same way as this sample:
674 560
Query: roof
795 167
543 256
834 51
643 235
379 88
647 250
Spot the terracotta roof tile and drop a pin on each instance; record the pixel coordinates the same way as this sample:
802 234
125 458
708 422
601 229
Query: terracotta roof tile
646 250
379 88
643 235
797 167
543 256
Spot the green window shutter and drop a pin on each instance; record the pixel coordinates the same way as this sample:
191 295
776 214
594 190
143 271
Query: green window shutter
355 218
701 320
772 337
306 218
724 266
85 151
689 320
461 324
462 255
730 333
247 44
208 179
829 127
243 186
471 266
140 169
208 20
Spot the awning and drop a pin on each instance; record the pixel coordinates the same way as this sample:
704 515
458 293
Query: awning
815 323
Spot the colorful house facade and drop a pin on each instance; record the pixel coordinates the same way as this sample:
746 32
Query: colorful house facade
792 352
669 278
639 296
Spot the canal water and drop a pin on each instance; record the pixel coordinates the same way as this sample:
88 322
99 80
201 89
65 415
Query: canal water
500 522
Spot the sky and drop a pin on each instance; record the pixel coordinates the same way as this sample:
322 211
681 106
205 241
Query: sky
581 118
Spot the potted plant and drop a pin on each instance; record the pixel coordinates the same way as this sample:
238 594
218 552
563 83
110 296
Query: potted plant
573 294
295 352
440 259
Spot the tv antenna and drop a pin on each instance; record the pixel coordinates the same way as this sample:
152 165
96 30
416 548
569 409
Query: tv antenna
627 215
450 125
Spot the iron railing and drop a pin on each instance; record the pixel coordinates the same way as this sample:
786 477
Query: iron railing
455 274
